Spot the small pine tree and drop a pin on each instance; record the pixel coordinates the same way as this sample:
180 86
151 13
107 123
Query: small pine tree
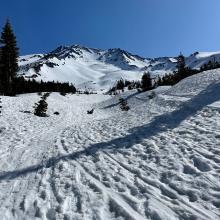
9 59
182 71
120 85
180 62
146 82
123 104
41 108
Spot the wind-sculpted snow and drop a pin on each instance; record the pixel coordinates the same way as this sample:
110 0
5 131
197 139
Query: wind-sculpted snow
158 161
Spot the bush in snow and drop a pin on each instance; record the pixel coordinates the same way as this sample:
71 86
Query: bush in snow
123 104
63 93
90 111
86 92
45 96
152 95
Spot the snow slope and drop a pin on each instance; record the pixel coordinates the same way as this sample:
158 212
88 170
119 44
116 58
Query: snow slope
97 69
158 161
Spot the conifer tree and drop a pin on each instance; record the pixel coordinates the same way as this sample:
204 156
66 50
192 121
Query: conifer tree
120 85
159 81
41 108
181 62
1 65
123 104
146 83
181 67
9 58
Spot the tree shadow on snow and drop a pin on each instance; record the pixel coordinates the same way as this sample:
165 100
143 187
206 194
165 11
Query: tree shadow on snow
136 135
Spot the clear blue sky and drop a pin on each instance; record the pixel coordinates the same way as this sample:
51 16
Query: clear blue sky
149 28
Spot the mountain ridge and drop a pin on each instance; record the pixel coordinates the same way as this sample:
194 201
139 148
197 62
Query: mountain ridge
98 69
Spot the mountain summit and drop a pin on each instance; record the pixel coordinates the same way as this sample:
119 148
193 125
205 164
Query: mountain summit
98 69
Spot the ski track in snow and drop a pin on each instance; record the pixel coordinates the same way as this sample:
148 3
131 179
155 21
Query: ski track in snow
157 161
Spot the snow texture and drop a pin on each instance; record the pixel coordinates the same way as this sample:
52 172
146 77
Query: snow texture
158 161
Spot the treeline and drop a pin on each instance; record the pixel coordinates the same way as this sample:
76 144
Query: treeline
143 85
147 83
20 86
184 72
181 73
210 66
12 84
122 84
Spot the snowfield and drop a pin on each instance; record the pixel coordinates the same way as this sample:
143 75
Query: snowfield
158 161
98 70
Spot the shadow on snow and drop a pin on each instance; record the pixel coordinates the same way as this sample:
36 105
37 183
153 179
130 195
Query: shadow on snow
159 124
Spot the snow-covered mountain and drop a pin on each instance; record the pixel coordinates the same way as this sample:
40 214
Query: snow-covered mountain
99 69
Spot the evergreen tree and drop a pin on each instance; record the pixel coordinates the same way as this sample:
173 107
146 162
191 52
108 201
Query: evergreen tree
1 72
9 58
181 67
41 108
146 82
159 81
123 104
180 62
120 85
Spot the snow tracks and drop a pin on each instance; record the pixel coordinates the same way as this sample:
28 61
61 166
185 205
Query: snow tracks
106 170
117 165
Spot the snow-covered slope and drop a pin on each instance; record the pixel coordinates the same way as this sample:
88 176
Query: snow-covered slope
99 69
158 161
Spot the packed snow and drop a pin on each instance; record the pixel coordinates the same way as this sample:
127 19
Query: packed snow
158 161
